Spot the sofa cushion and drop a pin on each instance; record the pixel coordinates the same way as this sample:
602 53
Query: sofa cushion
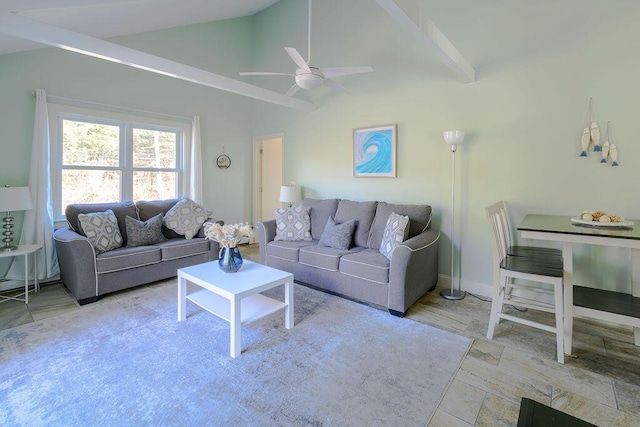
142 233
181 248
323 257
338 236
185 218
395 232
120 209
319 211
419 220
101 228
368 264
363 212
151 208
125 258
287 250
293 224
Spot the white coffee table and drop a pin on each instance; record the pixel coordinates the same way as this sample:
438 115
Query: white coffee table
235 297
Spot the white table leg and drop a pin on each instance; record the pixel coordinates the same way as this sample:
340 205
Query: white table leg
234 319
635 285
26 278
182 299
567 256
288 299
35 271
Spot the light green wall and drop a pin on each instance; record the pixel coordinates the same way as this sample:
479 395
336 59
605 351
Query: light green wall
523 117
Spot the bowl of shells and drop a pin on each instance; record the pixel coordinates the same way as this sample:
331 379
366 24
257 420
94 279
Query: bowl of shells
601 219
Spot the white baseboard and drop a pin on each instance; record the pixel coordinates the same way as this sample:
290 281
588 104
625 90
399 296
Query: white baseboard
8 285
476 288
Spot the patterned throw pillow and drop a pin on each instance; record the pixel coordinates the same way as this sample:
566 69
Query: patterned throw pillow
140 233
185 218
338 236
395 232
293 224
101 228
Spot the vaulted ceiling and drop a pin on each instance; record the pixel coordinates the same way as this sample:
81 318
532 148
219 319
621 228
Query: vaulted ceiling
465 35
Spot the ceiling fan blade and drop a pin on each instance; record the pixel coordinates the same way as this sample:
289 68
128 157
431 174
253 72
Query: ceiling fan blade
331 72
292 90
260 73
298 59
334 85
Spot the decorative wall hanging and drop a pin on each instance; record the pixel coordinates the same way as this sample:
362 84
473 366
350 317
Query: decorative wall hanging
374 152
223 161
590 133
609 149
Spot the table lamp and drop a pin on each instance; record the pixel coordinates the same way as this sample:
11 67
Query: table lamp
12 199
290 194
453 138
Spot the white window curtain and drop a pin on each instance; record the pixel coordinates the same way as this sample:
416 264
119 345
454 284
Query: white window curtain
38 227
193 174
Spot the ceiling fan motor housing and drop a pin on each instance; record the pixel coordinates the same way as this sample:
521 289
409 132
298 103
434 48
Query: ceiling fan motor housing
308 80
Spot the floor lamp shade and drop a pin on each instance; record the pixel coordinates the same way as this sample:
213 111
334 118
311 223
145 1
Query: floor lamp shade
290 194
12 199
453 138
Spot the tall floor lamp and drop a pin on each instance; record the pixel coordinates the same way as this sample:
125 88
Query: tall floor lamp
453 138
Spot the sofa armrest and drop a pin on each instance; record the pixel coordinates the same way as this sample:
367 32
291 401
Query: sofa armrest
266 233
77 260
413 270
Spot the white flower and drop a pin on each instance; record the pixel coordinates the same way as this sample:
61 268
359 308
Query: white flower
228 235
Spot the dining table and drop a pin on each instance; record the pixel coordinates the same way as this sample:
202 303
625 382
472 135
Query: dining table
591 302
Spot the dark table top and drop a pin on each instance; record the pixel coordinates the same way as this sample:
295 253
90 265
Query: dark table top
562 224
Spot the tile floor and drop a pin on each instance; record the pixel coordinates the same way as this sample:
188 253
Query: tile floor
601 385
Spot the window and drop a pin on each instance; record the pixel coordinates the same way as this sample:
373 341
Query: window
101 159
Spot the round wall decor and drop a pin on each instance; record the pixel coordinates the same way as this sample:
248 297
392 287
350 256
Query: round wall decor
223 161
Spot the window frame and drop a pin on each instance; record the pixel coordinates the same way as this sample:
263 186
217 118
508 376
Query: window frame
127 123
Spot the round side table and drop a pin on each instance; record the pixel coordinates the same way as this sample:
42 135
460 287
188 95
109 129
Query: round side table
24 250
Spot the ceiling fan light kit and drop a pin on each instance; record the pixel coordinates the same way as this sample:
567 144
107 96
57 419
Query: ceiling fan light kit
309 80
309 77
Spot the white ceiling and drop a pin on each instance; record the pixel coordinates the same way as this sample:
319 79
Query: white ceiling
110 18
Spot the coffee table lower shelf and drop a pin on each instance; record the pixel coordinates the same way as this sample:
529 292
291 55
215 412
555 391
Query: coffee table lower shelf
253 307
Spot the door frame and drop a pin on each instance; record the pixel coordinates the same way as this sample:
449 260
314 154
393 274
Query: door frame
257 171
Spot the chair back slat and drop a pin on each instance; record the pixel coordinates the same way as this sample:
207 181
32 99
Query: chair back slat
500 230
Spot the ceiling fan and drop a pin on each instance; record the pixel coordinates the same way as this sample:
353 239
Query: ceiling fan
308 76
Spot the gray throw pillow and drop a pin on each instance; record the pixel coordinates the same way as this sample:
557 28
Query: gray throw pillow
395 232
293 224
142 233
185 218
338 236
101 228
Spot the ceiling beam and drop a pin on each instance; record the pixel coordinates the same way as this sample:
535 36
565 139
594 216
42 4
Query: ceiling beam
19 26
407 13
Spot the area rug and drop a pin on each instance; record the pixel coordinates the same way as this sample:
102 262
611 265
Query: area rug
127 361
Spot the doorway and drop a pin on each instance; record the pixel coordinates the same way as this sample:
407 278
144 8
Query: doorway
268 173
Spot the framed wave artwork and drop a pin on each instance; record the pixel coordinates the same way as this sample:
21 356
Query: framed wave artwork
374 152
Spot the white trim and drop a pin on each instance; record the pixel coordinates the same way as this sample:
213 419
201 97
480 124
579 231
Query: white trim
368 280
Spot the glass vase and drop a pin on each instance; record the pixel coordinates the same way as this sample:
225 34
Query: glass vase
230 260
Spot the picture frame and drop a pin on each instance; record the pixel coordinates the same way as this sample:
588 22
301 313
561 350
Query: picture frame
374 152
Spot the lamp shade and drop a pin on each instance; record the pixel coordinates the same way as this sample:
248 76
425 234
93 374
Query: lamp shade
14 199
290 194
453 137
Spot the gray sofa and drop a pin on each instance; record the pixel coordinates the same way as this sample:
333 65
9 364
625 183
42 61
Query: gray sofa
89 275
361 272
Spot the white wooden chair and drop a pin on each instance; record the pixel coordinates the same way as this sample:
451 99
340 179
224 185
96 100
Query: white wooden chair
518 250
530 271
